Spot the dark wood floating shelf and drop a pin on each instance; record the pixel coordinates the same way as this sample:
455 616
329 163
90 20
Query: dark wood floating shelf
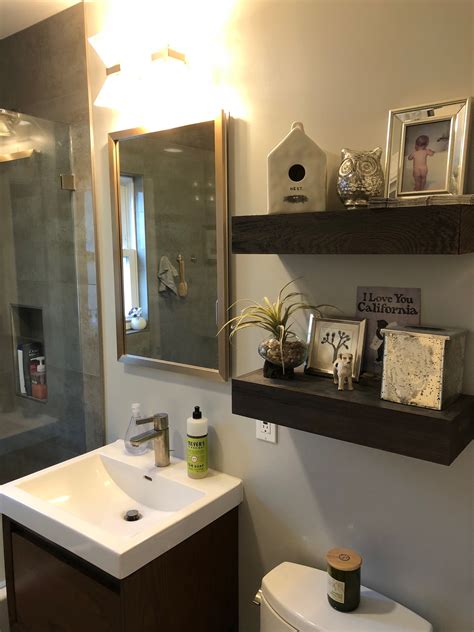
426 230
314 404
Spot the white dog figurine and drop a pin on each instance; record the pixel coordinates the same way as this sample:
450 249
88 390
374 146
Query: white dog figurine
343 371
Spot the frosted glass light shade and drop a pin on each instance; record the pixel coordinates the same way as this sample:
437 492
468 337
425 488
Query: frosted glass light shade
107 47
120 91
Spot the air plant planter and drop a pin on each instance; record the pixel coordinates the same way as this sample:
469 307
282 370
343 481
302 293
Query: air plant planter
282 350
281 358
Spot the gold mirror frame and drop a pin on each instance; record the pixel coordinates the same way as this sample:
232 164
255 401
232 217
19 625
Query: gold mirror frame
221 374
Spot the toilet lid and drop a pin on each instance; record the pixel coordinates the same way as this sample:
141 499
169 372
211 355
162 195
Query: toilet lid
299 595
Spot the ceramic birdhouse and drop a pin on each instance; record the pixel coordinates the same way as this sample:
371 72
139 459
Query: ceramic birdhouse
296 174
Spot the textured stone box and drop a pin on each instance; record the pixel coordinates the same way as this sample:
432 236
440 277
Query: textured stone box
423 366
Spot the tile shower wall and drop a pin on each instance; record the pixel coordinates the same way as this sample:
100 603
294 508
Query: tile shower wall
43 73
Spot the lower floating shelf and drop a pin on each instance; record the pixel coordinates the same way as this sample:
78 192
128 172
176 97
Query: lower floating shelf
314 404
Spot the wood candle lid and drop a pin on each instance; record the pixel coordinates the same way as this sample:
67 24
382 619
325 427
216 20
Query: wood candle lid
344 559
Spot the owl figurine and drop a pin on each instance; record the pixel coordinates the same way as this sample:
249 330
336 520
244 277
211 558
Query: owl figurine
360 177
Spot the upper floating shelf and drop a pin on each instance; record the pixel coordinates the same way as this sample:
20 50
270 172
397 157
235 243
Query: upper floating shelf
430 230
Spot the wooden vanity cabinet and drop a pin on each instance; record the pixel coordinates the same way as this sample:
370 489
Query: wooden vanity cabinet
194 586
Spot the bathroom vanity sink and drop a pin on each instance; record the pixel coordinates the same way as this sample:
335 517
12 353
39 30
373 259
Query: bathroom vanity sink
81 505
72 517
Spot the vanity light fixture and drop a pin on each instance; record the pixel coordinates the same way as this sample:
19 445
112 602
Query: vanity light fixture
168 75
114 89
130 76
16 155
124 80
8 122
168 53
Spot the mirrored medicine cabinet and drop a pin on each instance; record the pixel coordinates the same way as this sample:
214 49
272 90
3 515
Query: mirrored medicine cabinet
170 228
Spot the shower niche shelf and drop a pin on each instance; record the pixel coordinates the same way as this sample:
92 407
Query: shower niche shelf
28 344
31 398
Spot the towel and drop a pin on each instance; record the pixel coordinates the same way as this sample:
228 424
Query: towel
166 274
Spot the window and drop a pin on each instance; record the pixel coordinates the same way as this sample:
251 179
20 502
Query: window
131 294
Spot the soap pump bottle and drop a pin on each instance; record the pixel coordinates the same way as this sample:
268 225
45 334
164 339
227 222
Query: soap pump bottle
134 430
197 448
39 388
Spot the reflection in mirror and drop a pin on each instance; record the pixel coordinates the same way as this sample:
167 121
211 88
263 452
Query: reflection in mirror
169 189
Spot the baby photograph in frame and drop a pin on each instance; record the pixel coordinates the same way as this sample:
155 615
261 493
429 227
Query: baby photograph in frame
428 149
425 157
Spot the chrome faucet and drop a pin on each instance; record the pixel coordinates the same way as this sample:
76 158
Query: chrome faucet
159 434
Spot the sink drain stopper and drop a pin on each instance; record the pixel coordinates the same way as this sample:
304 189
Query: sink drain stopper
131 515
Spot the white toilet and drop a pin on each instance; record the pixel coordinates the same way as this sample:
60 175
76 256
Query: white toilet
293 598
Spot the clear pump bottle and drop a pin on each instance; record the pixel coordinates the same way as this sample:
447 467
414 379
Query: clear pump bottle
134 430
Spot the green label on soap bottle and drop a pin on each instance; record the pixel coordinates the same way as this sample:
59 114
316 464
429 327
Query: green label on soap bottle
197 456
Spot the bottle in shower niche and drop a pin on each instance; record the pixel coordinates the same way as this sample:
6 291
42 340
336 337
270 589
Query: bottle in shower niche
39 388
197 446
133 430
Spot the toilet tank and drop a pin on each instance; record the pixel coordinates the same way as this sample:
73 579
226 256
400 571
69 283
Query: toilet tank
270 621
293 598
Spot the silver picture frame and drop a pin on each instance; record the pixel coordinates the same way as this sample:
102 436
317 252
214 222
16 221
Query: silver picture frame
322 353
445 126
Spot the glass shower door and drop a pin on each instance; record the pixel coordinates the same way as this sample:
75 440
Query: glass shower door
42 407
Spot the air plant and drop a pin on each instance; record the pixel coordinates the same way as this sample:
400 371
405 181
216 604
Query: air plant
273 317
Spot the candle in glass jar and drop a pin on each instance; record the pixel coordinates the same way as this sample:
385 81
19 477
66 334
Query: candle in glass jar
343 568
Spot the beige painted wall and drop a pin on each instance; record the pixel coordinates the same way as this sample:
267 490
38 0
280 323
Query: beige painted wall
339 67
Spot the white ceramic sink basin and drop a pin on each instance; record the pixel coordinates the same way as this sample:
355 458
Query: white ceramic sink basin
80 504
100 490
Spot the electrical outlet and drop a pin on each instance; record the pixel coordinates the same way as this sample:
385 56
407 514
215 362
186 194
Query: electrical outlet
266 431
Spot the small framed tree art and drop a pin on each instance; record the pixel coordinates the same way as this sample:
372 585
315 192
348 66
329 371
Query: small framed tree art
327 338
